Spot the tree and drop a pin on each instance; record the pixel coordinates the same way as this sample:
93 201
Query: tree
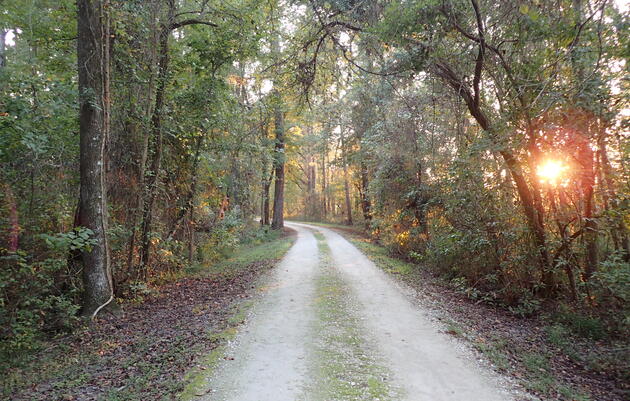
277 221
279 161
93 50
170 24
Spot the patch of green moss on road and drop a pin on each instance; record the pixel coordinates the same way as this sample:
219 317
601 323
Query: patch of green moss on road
345 367
378 254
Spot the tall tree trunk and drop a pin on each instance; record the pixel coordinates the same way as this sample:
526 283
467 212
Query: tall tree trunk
324 197
266 176
266 212
3 57
346 185
366 205
157 136
279 159
93 49
279 156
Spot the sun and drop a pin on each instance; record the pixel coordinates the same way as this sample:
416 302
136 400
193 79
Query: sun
550 171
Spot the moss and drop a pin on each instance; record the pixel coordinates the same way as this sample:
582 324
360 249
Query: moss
496 352
345 369
454 329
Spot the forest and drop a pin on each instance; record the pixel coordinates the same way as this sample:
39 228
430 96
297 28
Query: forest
483 141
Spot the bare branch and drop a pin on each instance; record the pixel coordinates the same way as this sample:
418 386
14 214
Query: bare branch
192 21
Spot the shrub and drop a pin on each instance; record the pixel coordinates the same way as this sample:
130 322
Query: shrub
611 292
38 297
581 324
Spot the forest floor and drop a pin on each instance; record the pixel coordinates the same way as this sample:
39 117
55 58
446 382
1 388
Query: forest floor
543 356
144 350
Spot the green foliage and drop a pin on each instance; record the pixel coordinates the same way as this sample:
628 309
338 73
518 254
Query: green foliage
39 297
581 323
257 246
79 239
222 239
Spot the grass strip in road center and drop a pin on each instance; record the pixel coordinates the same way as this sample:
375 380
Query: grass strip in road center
346 366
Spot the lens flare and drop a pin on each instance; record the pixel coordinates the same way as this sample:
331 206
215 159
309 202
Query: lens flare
551 171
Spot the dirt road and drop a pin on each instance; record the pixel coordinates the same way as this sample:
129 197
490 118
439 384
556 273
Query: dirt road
330 325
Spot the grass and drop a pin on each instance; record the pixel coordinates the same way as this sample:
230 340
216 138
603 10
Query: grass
453 328
271 247
345 368
496 351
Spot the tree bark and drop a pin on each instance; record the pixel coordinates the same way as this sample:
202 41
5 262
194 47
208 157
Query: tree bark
366 205
3 57
279 156
346 185
279 159
156 133
93 49
267 177
324 197
266 215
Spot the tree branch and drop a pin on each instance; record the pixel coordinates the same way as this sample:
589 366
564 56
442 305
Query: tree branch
192 21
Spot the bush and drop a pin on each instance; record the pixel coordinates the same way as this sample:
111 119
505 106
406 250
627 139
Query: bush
223 238
611 291
581 324
38 297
